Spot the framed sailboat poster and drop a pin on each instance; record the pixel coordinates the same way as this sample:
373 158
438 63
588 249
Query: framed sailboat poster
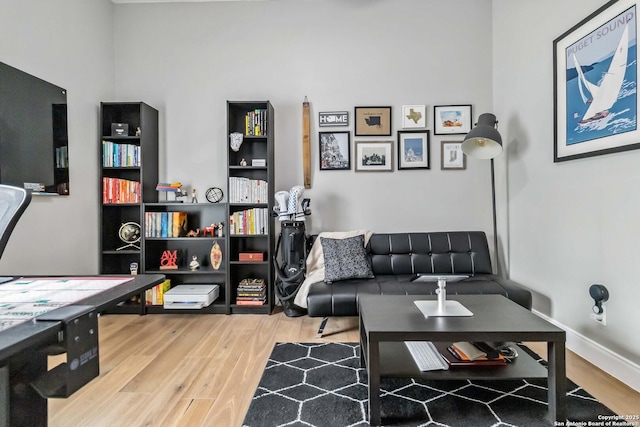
595 84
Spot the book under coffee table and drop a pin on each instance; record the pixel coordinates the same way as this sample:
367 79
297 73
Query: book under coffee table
387 321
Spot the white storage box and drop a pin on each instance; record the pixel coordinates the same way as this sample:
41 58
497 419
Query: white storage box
191 296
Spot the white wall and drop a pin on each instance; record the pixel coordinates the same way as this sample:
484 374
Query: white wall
562 226
68 43
188 59
570 224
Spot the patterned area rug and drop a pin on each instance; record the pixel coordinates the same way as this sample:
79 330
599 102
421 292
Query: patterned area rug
322 384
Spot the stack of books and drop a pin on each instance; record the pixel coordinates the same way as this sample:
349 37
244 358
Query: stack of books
251 292
472 354
172 187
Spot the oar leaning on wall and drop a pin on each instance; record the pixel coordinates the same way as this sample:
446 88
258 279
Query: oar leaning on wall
306 144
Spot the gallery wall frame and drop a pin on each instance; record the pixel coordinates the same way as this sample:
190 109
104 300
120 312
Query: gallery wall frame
414 116
595 84
451 156
373 156
413 149
452 119
335 150
372 121
333 118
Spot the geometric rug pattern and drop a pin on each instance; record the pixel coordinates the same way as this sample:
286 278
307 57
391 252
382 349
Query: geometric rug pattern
322 385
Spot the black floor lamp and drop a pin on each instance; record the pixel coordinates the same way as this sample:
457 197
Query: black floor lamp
484 142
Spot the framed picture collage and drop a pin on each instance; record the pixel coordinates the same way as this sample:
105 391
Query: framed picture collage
374 149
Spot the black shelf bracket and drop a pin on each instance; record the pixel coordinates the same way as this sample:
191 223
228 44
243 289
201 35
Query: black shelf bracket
80 342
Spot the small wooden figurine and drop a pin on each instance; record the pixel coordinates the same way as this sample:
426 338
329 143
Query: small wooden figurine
211 229
216 256
193 233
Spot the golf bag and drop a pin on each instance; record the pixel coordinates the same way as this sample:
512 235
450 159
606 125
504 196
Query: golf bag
292 242
290 274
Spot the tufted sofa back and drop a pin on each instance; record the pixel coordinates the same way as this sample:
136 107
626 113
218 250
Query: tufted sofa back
455 252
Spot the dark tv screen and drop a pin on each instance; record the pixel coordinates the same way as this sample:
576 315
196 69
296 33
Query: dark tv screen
34 149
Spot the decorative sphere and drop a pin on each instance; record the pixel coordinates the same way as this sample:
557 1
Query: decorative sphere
130 232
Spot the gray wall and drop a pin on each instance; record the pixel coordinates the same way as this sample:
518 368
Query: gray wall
562 226
70 44
569 224
188 59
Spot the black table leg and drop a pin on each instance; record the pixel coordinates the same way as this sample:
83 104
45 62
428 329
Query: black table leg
557 381
26 406
373 375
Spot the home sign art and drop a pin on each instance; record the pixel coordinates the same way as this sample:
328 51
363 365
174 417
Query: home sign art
333 118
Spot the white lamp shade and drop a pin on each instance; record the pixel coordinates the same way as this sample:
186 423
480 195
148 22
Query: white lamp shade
484 141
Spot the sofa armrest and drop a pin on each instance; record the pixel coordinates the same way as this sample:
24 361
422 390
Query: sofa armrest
515 290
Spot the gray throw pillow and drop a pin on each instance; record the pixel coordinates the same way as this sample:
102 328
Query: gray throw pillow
345 259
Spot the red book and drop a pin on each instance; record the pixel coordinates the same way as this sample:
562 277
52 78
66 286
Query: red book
240 302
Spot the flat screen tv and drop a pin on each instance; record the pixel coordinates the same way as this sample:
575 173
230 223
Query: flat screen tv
34 149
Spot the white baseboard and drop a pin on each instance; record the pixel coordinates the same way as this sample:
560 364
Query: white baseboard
612 363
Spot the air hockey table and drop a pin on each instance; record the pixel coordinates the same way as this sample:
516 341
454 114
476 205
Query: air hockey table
43 316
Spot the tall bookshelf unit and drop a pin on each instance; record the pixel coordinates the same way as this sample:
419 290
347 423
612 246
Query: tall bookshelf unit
249 206
129 175
198 216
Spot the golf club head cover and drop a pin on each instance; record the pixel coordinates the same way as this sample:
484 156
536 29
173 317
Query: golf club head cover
282 198
305 206
295 199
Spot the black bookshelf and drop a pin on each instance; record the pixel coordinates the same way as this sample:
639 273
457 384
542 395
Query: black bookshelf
119 203
198 216
255 121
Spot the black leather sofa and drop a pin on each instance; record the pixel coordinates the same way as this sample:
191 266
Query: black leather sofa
397 258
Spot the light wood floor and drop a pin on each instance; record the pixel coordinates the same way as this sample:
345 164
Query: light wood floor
202 370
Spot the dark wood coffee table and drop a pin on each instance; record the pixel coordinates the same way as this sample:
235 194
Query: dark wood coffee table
387 321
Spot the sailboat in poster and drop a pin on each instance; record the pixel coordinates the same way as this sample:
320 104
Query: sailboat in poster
606 94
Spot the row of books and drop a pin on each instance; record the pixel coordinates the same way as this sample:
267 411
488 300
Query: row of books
256 122
251 292
120 155
117 190
245 190
165 224
155 295
249 221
